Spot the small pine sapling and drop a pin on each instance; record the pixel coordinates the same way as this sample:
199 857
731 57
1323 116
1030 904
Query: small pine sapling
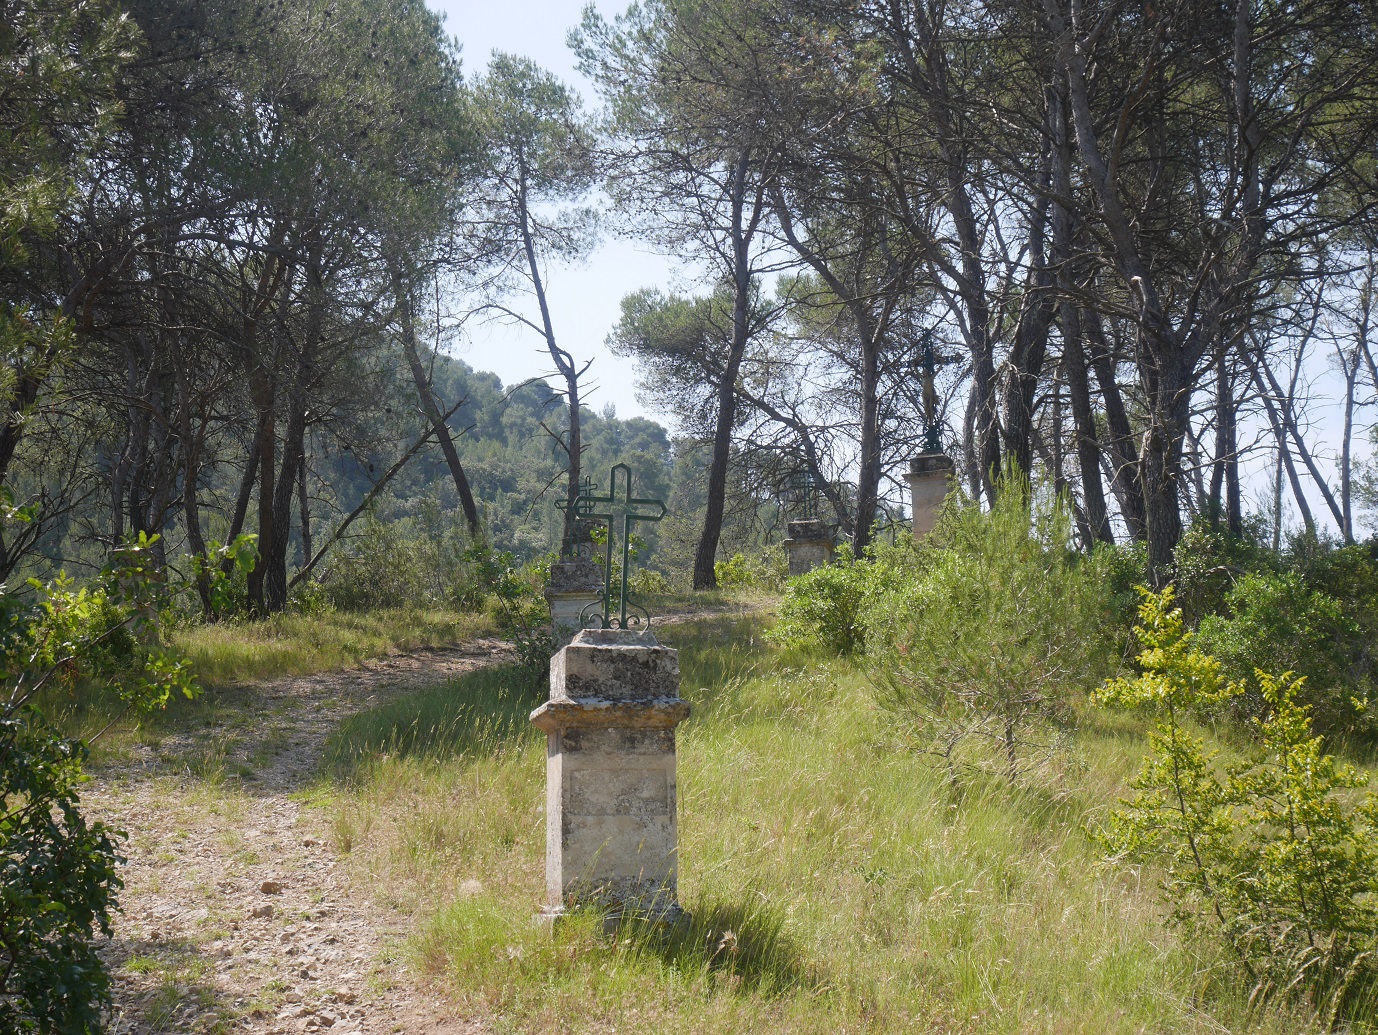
1272 847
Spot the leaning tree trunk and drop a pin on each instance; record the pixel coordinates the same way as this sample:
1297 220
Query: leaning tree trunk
705 577
406 317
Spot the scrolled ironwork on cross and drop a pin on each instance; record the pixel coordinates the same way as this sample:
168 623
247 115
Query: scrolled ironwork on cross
620 510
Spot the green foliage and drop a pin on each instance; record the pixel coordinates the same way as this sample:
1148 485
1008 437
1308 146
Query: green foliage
1207 561
1276 622
224 568
522 611
766 570
822 608
60 877
57 886
1272 849
980 635
734 574
423 562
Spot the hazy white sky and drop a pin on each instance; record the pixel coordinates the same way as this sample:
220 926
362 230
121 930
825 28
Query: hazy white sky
584 300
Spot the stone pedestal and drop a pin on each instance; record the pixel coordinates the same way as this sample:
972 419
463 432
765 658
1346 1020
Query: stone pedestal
808 545
930 480
574 584
611 832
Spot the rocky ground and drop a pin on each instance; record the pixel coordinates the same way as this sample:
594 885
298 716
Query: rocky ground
235 917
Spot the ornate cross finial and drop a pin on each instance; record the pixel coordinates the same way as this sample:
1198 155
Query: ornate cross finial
927 362
619 507
801 495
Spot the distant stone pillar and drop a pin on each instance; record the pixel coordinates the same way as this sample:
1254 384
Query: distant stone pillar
930 480
808 545
611 831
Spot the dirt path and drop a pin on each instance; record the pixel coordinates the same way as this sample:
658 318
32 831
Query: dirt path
234 916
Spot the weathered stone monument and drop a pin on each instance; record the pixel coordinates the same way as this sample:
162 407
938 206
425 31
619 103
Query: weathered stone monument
575 580
930 480
808 541
611 828
808 545
932 472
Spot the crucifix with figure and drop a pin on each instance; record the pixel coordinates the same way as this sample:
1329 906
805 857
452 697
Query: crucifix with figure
621 510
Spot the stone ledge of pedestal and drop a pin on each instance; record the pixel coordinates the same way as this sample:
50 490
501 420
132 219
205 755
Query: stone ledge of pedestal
596 713
932 463
614 665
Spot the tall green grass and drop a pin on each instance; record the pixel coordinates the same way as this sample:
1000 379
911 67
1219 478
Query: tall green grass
296 644
834 881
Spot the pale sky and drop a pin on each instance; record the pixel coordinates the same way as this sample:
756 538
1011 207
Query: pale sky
584 300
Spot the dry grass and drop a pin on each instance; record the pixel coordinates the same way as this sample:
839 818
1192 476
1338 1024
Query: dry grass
836 884
295 645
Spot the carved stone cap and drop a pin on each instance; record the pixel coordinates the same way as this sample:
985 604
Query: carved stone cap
808 530
575 576
931 463
614 665
616 638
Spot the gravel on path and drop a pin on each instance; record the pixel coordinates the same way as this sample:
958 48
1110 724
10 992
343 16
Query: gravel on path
235 916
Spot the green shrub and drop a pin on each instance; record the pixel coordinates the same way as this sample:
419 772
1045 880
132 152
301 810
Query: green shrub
1271 853
734 574
1276 622
766 570
60 874
979 636
425 561
822 608
1206 563
519 604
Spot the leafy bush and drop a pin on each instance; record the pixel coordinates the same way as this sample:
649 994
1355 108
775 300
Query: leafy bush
520 606
766 570
1274 622
1207 562
60 877
423 562
822 607
1271 852
648 581
979 635
734 574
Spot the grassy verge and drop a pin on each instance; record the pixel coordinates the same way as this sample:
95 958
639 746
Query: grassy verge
294 645
836 884
706 602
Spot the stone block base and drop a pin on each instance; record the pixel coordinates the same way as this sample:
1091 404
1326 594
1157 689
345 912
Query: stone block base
808 546
611 830
930 478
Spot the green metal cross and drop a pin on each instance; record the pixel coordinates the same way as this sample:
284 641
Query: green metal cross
927 362
627 509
